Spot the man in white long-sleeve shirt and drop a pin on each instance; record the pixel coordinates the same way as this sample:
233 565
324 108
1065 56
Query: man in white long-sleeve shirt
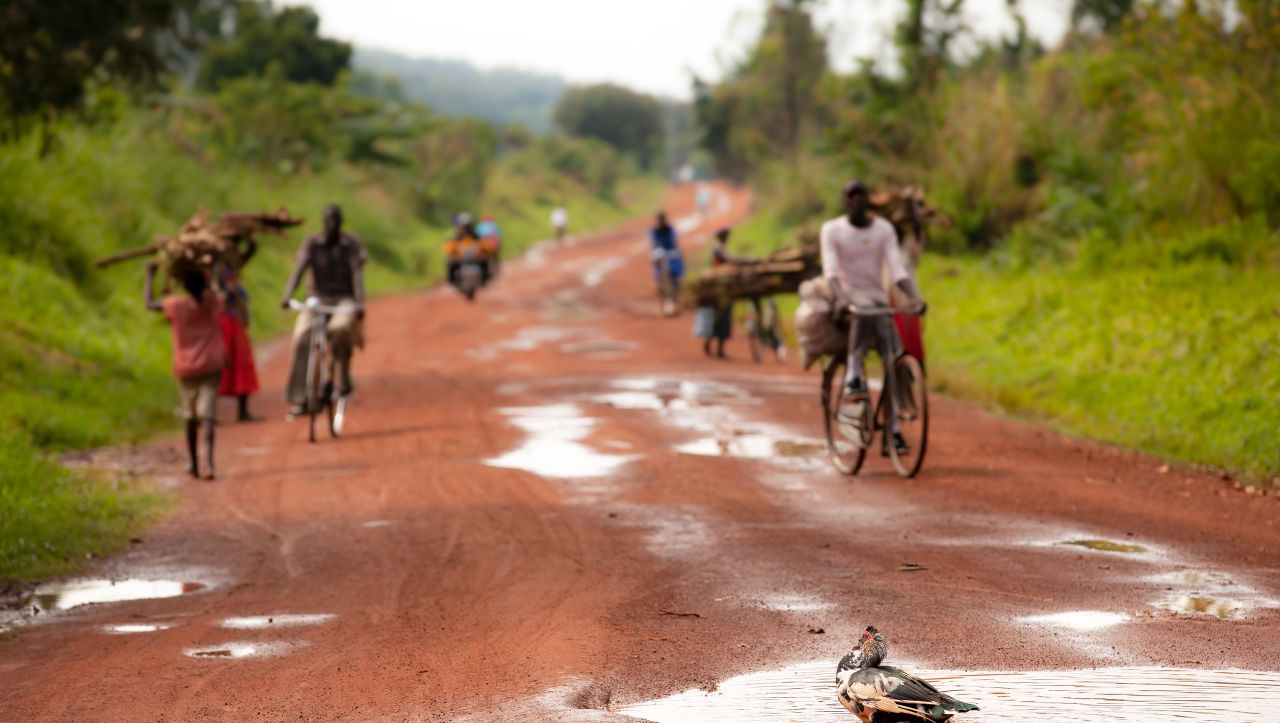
857 248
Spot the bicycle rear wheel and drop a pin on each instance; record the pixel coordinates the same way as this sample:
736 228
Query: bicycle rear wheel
912 409
846 442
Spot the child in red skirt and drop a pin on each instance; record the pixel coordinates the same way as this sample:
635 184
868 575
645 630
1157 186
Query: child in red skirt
240 375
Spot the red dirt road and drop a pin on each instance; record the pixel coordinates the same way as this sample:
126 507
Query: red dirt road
539 491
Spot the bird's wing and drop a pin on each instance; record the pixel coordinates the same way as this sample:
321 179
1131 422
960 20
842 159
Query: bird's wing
869 698
909 687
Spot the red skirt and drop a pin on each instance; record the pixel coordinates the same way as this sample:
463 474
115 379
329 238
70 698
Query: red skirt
909 331
239 376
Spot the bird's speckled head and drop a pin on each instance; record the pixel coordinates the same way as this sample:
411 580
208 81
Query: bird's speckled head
873 646
869 652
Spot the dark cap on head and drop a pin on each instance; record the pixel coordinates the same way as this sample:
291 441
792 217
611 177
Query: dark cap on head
855 186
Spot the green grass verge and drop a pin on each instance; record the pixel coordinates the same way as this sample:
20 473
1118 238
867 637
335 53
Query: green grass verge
1183 362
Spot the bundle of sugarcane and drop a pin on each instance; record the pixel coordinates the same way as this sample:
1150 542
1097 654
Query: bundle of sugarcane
202 244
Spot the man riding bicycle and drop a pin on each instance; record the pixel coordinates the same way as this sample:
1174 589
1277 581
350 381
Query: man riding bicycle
856 248
336 262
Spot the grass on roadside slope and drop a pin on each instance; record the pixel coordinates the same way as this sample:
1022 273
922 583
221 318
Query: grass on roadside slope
1183 362
83 365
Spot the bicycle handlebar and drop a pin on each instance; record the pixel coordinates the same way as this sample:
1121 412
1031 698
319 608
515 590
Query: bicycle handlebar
313 304
913 310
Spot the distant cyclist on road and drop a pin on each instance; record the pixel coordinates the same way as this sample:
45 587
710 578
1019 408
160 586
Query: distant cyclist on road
336 261
856 248
668 264
559 222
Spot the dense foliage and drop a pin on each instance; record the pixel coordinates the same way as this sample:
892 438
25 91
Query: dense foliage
631 122
262 36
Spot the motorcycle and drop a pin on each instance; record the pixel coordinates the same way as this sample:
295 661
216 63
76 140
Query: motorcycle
469 276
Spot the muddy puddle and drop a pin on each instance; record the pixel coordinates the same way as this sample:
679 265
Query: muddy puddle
65 595
748 445
527 339
263 622
598 347
1209 593
806 692
240 650
1105 545
1083 621
554 446
135 628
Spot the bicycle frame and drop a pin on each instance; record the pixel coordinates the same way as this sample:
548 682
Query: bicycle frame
319 378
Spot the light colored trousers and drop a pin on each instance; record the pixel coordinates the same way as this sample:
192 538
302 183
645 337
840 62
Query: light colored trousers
341 332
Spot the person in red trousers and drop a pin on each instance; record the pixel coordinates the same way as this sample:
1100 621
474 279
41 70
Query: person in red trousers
240 375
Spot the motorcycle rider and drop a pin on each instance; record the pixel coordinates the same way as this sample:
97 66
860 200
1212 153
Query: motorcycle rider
466 244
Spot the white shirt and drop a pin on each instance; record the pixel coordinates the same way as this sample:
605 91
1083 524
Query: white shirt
559 217
857 257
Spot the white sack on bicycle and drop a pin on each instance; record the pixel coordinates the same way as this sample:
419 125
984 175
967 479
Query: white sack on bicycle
815 326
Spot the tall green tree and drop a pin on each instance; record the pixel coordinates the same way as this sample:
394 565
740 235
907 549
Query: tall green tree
262 35
49 50
629 121
768 103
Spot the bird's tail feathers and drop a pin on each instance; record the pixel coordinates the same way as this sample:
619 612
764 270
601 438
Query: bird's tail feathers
954 705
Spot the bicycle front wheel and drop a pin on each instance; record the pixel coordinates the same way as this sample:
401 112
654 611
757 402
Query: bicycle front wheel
846 444
911 406
313 392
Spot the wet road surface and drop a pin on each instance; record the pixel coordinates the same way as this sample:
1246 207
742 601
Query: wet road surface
548 505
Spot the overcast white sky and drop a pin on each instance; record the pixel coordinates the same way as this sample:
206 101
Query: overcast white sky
650 45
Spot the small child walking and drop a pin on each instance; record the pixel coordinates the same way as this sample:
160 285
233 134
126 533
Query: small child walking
198 355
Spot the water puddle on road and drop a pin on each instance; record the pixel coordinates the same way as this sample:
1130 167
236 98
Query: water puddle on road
598 347
262 622
57 596
1105 546
1215 594
1079 620
554 447
135 628
747 445
795 604
238 650
806 692
527 339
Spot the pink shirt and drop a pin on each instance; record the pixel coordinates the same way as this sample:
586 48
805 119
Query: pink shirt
858 258
197 334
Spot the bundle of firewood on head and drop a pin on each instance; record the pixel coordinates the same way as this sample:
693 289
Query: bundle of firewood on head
203 245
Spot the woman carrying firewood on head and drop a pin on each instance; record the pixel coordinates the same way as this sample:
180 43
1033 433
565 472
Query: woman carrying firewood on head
197 351
240 375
